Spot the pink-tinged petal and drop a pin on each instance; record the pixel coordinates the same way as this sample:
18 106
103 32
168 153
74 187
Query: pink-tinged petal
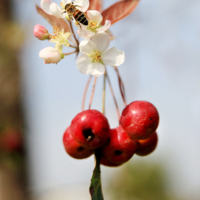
55 10
94 16
83 63
97 69
102 41
45 5
84 4
105 27
113 57
82 33
50 55
87 46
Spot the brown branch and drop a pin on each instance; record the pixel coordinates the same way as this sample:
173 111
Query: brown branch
112 92
121 86
85 92
91 98
71 27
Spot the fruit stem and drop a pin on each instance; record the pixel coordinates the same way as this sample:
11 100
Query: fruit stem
93 89
121 86
104 93
95 186
85 92
111 89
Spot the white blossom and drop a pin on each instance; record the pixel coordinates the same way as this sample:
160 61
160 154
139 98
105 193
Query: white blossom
51 55
96 56
59 11
94 25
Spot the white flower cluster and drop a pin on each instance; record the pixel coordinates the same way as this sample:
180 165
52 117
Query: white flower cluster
94 45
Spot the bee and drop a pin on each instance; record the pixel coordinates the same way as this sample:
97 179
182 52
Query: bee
78 15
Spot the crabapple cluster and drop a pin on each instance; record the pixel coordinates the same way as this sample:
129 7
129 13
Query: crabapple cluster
136 134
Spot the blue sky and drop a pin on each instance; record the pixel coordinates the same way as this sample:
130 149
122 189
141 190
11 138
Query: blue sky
161 43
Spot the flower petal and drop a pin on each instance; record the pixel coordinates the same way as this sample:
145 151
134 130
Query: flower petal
83 63
97 69
113 57
102 41
55 10
104 27
87 46
82 33
45 5
94 16
50 55
84 4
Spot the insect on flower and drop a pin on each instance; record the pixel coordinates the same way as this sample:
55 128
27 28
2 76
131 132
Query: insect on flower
75 13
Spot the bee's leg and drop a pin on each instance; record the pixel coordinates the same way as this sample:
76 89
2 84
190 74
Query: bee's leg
78 23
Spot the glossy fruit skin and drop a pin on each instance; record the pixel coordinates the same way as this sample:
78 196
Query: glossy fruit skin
120 147
104 161
140 119
90 128
73 148
145 147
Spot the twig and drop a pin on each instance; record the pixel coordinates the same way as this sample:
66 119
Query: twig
66 54
112 92
85 92
71 27
121 86
91 98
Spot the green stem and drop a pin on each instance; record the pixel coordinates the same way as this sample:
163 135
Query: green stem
95 186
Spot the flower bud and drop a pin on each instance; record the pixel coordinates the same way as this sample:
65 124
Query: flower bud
51 55
40 32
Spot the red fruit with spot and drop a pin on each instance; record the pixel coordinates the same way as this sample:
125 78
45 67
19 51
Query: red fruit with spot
73 148
104 161
90 128
140 119
145 147
120 147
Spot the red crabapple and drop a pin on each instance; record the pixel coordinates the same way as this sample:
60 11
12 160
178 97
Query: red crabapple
104 161
90 128
73 148
139 119
120 147
145 147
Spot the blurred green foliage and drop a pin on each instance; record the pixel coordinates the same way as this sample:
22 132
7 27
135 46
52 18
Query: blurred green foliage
141 181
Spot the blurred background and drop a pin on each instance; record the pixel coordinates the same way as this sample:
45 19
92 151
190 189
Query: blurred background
161 40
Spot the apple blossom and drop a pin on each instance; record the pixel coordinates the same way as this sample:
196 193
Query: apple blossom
51 55
53 9
40 32
96 56
95 18
60 38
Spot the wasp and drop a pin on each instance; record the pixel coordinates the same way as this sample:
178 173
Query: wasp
78 15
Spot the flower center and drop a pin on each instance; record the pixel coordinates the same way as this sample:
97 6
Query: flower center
96 56
62 5
56 32
93 26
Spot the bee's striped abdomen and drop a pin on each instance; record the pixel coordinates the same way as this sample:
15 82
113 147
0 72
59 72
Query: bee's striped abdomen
80 17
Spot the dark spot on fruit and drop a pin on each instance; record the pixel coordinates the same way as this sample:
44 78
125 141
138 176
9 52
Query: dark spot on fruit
117 152
150 118
88 134
79 149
